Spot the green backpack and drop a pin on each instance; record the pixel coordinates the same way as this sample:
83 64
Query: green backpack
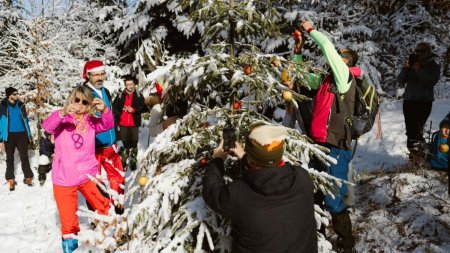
367 106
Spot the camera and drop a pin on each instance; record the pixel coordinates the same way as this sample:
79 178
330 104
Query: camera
297 24
412 59
229 137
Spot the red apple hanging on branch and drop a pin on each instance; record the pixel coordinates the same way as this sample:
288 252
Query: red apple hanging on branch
248 69
203 161
237 104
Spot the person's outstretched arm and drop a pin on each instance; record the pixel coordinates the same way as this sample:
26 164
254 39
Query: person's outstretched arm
338 66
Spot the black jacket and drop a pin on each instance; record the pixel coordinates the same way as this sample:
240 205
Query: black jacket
137 103
271 210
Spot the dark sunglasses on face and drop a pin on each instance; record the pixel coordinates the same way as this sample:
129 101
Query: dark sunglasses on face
15 94
84 102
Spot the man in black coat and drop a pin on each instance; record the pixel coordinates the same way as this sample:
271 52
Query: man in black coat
272 207
127 108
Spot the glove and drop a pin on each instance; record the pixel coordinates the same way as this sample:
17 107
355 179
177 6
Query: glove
120 146
400 92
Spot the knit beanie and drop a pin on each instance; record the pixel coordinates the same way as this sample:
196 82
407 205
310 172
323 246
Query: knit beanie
92 66
9 91
445 121
265 145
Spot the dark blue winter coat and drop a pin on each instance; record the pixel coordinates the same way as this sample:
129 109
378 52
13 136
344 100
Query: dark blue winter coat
4 119
46 147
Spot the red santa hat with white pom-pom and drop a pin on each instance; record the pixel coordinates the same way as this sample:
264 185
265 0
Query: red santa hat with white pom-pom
92 66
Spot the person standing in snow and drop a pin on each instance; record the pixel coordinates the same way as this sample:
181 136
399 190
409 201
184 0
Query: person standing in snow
128 107
46 151
107 150
330 126
420 73
271 207
74 163
15 133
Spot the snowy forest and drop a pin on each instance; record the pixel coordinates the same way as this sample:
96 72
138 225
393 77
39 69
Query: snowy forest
228 60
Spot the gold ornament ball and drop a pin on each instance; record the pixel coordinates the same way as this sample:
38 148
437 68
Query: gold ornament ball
443 148
142 180
287 95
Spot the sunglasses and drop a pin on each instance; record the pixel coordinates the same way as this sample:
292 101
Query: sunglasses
84 102
15 94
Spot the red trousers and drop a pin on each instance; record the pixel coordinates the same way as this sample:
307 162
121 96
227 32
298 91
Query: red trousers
110 160
66 198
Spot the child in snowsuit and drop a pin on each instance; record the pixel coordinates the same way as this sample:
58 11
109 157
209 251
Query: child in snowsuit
46 151
74 162
439 145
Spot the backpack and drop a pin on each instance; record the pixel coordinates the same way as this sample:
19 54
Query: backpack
367 106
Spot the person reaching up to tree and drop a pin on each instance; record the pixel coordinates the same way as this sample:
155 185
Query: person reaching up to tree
271 207
128 107
15 133
107 150
333 106
299 111
74 162
158 121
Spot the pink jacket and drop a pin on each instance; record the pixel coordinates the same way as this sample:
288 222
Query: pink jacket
74 157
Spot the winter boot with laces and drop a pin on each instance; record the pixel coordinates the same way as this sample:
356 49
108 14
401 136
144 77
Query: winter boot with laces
343 227
28 181
12 184
69 245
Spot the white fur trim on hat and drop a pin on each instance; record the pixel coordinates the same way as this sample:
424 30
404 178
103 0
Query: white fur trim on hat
266 134
96 69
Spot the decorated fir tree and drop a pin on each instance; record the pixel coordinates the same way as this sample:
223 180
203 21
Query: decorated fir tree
233 83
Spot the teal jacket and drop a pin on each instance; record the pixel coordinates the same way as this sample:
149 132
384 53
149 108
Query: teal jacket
107 138
4 119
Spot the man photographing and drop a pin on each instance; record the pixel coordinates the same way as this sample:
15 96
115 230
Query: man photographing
272 206
420 73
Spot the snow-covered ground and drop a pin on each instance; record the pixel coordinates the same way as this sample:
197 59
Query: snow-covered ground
395 212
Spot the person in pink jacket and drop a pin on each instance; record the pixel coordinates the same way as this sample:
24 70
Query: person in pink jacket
74 162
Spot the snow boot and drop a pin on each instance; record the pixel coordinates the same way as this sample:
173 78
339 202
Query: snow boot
343 227
124 158
28 181
42 179
43 170
69 245
133 159
12 184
